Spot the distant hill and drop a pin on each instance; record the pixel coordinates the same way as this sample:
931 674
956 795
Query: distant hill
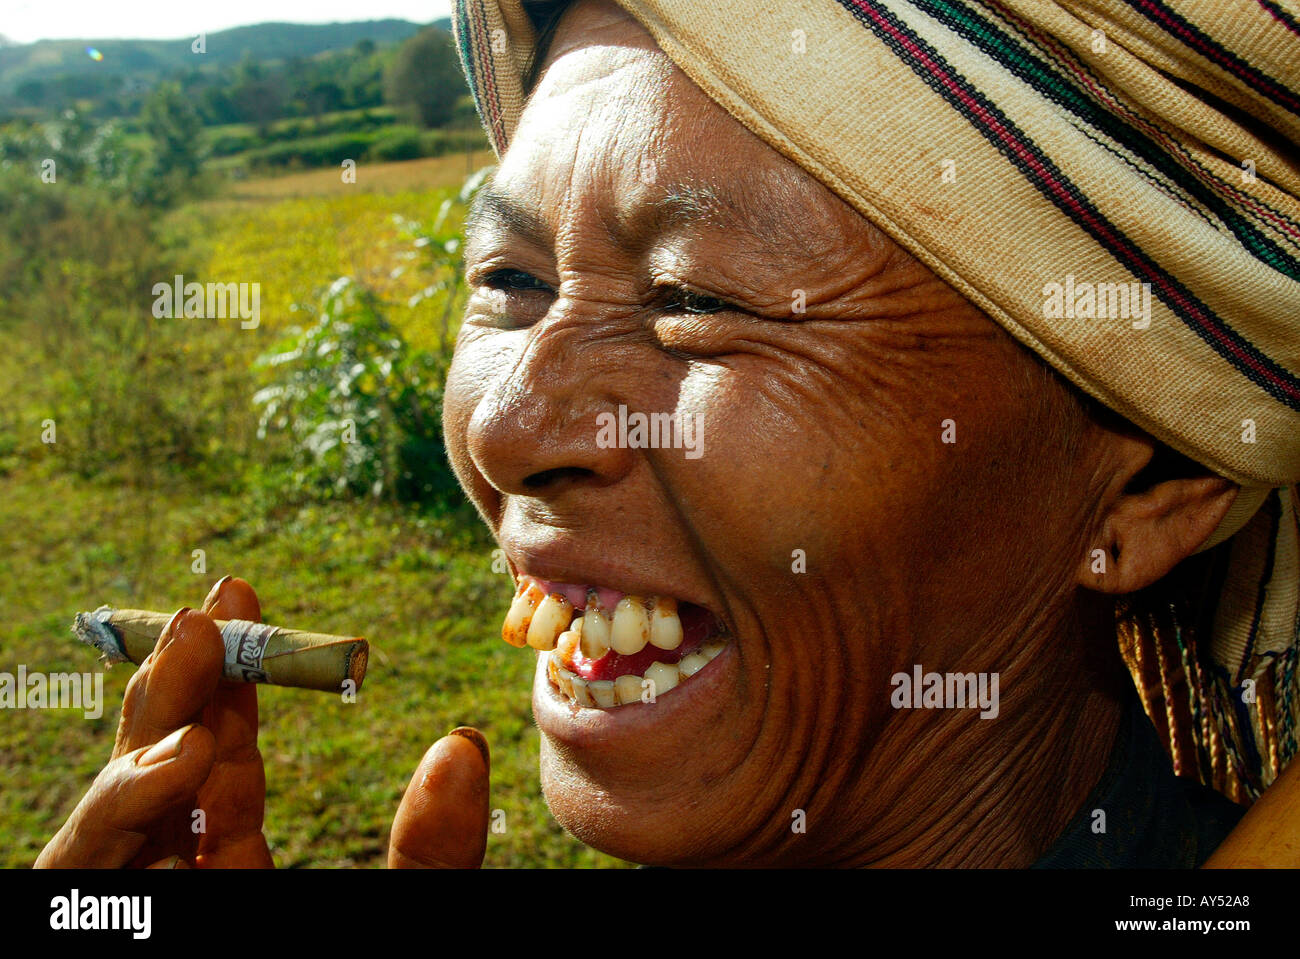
148 60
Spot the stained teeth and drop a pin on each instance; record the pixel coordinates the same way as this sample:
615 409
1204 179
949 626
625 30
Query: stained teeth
627 689
581 692
566 682
515 628
550 619
566 646
665 627
631 629
663 675
595 629
602 691
692 664
548 623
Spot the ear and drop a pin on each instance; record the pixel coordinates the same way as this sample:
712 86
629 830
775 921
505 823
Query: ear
1150 527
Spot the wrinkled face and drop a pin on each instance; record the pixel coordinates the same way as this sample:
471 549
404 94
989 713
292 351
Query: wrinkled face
819 531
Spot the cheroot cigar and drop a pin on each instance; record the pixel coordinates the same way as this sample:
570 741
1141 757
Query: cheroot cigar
255 652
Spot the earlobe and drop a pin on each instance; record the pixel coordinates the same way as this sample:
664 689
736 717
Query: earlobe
1148 532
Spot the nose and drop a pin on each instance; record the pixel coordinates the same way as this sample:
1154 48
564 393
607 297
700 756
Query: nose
534 430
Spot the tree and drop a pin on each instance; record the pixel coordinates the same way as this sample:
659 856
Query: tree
259 102
175 127
426 77
323 97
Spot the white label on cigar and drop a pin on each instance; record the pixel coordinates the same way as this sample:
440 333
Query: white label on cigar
245 645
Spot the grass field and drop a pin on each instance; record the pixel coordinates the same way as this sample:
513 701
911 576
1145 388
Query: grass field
431 173
420 586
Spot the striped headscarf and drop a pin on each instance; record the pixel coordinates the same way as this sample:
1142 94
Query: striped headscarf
1116 183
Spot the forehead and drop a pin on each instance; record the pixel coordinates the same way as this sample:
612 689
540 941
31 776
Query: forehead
610 104
614 124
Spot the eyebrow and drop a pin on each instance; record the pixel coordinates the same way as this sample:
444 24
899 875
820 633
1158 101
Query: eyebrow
683 205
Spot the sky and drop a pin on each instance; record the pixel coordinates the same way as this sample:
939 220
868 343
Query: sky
24 21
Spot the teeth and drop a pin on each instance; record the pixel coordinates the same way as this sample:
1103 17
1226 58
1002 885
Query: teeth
581 692
550 619
665 627
595 629
602 691
628 689
565 647
631 629
692 664
566 682
663 675
515 628
547 622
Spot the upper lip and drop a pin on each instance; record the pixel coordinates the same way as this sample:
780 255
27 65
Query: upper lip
558 563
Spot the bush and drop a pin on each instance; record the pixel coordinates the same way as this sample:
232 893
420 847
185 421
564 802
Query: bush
77 266
436 143
400 144
362 408
329 150
229 142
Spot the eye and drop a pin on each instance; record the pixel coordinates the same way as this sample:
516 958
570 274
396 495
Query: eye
507 279
688 301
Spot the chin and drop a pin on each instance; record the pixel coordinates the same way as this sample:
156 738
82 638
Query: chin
631 825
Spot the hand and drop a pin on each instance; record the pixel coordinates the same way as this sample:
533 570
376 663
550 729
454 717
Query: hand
187 740
443 819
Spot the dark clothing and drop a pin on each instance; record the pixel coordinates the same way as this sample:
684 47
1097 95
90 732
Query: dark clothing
1154 819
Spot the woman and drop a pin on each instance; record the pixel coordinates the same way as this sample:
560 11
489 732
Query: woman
835 241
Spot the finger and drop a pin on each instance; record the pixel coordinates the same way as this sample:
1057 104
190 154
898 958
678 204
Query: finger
234 796
171 862
233 716
443 819
174 683
112 822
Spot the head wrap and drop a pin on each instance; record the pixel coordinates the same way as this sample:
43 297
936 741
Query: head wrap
1044 157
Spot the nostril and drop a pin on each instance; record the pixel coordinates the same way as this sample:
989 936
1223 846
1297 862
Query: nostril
550 477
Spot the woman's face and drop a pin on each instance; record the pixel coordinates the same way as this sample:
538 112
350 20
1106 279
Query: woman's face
640 248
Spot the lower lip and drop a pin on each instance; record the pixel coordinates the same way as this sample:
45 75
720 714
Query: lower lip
560 719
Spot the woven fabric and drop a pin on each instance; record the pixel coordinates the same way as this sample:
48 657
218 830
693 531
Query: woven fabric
1115 182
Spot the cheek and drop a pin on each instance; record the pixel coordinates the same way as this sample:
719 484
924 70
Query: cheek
482 357
807 464
837 461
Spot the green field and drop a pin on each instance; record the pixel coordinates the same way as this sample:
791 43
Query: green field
123 531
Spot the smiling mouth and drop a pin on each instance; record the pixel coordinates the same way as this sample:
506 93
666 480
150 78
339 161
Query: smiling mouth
605 648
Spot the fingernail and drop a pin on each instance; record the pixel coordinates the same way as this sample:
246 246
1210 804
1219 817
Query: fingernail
164 749
173 862
215 591
476 737
169 631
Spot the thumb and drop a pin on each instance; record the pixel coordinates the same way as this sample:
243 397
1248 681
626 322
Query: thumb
443 820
